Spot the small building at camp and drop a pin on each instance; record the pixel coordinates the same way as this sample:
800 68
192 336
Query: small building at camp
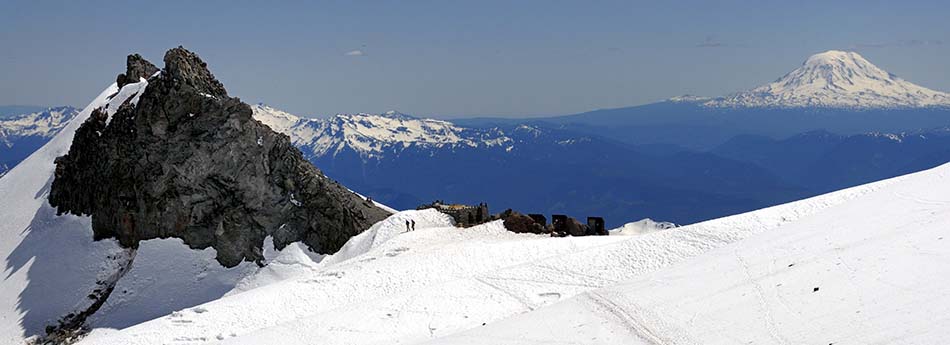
464 215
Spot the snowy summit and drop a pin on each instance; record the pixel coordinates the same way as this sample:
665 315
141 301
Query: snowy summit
837 79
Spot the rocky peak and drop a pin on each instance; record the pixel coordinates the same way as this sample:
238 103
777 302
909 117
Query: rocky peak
135 67
182 159
187 68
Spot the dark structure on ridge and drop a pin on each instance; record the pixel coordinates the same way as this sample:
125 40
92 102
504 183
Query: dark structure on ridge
561 225
190 162
464 215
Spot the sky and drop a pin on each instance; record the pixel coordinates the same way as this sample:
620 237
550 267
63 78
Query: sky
452 59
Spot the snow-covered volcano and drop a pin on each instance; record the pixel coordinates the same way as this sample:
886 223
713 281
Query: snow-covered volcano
837 79
373 135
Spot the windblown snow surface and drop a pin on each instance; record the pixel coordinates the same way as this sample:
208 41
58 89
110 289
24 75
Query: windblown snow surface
867 264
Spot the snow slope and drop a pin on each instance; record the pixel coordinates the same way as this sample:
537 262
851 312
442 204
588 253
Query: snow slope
39 288
874 250
869 271
837 79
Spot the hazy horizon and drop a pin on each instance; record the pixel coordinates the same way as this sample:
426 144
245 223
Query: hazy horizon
463 59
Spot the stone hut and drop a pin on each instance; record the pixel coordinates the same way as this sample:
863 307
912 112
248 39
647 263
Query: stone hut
464 215
595 226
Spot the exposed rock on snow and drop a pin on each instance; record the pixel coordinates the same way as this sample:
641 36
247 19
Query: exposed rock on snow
837 79
517 222
218 179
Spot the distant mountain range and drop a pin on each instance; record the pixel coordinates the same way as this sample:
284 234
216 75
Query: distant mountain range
548 168
21 135
405 161
552 168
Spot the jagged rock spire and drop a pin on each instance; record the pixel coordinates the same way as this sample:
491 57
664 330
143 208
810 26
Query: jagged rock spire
186 67
187 161
135 67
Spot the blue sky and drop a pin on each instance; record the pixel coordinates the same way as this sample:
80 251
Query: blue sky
462 58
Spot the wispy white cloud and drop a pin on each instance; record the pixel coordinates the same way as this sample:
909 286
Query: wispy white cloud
357 52
711 42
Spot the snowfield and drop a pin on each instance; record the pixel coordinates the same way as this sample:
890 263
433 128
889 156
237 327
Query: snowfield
861 265
872 270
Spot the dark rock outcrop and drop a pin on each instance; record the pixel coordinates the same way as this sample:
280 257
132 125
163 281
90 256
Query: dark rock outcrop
190 162
136 67
516 222
563 226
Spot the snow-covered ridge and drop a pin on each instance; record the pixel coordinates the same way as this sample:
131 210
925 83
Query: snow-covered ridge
837 79
859 265
372 135
43 124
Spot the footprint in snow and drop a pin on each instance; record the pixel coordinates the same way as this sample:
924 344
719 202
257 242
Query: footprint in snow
336 274
396 251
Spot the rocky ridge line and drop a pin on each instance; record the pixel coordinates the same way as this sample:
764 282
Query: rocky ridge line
185 160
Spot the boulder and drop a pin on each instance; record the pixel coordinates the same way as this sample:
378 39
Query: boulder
520 223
